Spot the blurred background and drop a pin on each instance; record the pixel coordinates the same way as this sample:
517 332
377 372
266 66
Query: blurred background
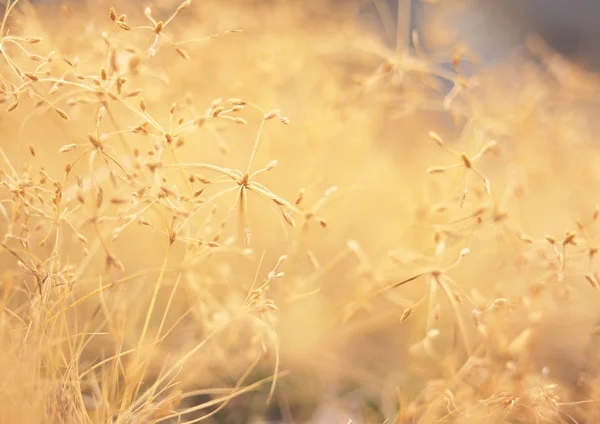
494 28
349 352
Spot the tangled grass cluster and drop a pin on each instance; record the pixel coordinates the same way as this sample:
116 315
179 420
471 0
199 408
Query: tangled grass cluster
257 211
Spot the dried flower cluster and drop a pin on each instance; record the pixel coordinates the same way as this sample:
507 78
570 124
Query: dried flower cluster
234 212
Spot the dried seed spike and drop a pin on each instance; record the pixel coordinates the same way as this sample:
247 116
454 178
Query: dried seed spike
62 114
118 200
330 191
143 105
203 179
271 165
569 238
551 240
526 238
236 102
101 114
124 26
487 147
463 197
436 170
272 114
32 150
405 314
240 121
466 160
184 54
33 39
592 280
172 109
158 27
436 138
501 301
95 142
183 5
112 13
486 186
111 261
299 196
13 106
289 219
99 198
216 111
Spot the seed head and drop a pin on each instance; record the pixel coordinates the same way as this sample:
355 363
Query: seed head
216 111
236 102
184 54
289 219
184 5
592 280
99 198
436 138
271 165
272 114
466 160
569 238
62 114
299 196
405 314
436 170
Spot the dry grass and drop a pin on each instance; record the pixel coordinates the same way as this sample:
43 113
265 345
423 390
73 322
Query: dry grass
257 211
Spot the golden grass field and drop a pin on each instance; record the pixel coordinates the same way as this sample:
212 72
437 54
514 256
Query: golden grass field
265 211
